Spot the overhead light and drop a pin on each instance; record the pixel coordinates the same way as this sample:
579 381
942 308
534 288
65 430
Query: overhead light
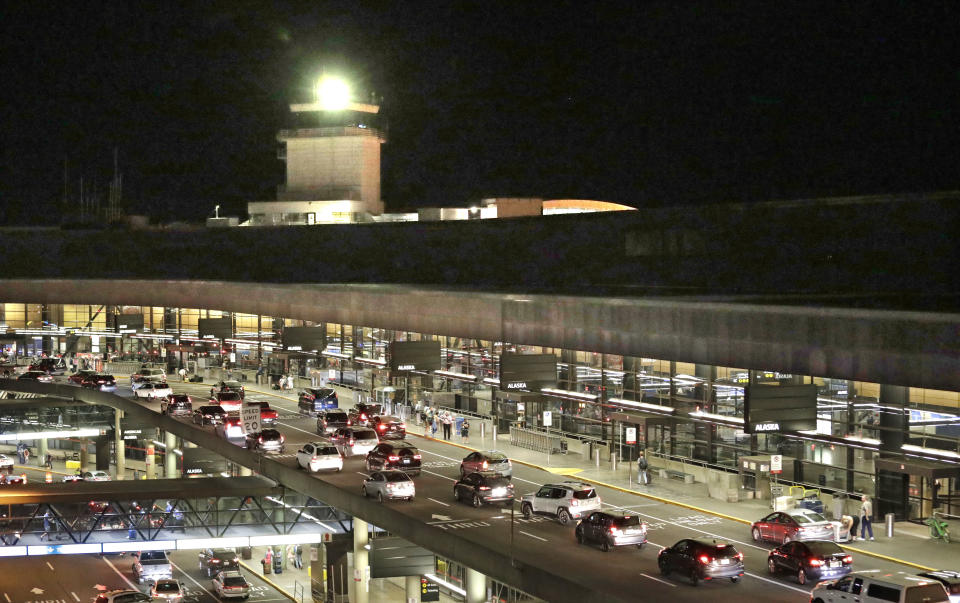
40 435
446 584
709 416
453 375
931 451
644 405
563 393
371 361
491 381
335 355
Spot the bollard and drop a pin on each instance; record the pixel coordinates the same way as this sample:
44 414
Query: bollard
613 461
889 519
483 431
494 433
596 453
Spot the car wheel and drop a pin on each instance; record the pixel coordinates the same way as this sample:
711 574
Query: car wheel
694 577
411 499
380 497
771 566
527 510
734 579
563 516
756 534
456 494
664 568
801 577
605 546
369 468
363 491
476 501
640 546
579 537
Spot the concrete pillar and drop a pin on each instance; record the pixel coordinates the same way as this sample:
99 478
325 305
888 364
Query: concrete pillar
41 452
150 460
359 585
170 458
119 447
412 589
476 586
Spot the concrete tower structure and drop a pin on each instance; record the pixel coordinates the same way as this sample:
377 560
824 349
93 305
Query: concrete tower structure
333 166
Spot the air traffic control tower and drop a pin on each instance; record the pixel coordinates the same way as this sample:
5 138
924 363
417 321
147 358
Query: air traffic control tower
333 163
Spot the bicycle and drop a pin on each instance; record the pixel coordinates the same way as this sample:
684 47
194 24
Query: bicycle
939 529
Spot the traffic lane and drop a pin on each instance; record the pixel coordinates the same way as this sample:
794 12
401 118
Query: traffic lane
56 579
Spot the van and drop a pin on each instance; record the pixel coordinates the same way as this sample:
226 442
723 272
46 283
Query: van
880 588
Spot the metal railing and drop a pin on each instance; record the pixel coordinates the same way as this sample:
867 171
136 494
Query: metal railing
539 441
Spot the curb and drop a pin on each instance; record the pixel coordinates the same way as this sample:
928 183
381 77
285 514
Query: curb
276 586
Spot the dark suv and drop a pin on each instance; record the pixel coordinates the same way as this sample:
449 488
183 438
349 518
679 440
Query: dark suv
701 559
394 455
316 399
389 428
483 487
229 386
177 404
361 414
217 560
328 421
612 530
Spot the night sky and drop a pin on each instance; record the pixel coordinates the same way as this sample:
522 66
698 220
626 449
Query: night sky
641 103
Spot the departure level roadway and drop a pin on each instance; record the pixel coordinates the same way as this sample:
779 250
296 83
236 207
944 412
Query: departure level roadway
80 578
624 572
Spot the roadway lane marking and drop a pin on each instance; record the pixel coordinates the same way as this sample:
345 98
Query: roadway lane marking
7 597
189 577
297 428
362 473
452 479
799 590
438 502
658 580
51 567
75 595
119 573
532 535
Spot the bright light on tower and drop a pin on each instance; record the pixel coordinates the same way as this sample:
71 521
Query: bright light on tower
333 94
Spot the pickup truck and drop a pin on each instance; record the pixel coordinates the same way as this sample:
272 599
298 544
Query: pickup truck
150 566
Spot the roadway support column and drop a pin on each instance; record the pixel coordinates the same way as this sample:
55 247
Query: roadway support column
151 459
119 447
170 457
42 452
360 584
412 589
476 585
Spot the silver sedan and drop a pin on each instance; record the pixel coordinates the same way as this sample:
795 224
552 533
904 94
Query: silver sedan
389 484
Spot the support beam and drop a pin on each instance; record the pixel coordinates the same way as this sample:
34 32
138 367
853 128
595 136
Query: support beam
360 583
119 447
412 589
476 586
170 457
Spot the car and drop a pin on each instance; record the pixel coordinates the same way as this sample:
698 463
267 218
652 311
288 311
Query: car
817 559
315 456
73 477
177 404
313 400
487 460
795 524
231 584
139 382
949 579
395 455
487 487
209 414
361 413
266 440
79 376
100 381
122 596
351 441
168 590
870 587
230 401
390 485
268 416
13 480
228 386
153 390
97 475
155 375
151 566
50 366
564 500
328 421
5 461
701 559
38 376
231 429
389 428
213 561
610 530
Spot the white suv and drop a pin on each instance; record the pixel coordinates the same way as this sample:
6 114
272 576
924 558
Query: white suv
564 500
874 588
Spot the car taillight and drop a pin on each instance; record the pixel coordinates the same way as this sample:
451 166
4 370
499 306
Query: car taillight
381 427
485 464
402 426
416 456
261 439
847 559
363 416
349 422
814 562
484 488
393 457
214 561
351 441
705 559
282 439
314 459
739 556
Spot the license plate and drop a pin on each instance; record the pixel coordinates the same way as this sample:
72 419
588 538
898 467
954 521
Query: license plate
724 562
834 564
406 461
499 492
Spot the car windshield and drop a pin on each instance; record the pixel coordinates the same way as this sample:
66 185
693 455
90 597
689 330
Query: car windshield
811 517
328 450
495 457
322 393
221 553
585 494
397 477
626 521
818 547
270 434
722 551
234 581
336 416
365 435
168 587
233 384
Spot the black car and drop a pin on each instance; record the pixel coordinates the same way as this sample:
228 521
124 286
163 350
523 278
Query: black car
950 580
266 440
328 421
100 381
362 413
394 455
612 530
483 487
389 428
228 386
701 559
177 404
317 399
209 415
217 560
817 559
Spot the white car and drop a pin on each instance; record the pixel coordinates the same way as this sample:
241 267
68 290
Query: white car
153 390
231 584
155 375
563 500
96 475
5 461
169 591
315 456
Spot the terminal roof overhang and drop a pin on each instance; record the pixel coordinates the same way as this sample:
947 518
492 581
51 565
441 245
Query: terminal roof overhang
909 348
154 489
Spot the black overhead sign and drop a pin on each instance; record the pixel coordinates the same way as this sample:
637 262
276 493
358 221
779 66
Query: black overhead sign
779 408
529 372
219 328
133 429
414 355
429 591
306 339
392 557
127 323
200 462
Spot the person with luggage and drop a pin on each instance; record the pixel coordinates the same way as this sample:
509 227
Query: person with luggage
643 474
866 518
465 432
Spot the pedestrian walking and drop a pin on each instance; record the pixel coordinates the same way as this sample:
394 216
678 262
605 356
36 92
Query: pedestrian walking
289 381
259 375
866 518
433 426
48 462
643 475
465 432
298 556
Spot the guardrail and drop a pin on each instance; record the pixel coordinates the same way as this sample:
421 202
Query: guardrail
539 441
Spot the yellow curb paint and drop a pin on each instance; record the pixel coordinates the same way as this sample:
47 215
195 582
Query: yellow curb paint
270 582
564 470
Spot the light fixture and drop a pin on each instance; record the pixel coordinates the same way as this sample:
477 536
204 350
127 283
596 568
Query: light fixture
446 584
40 435
563 393
335 355
453 375
659 408
709 416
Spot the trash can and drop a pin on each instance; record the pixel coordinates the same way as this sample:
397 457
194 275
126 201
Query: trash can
889 519
458 425
277 564
246 552
266 566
